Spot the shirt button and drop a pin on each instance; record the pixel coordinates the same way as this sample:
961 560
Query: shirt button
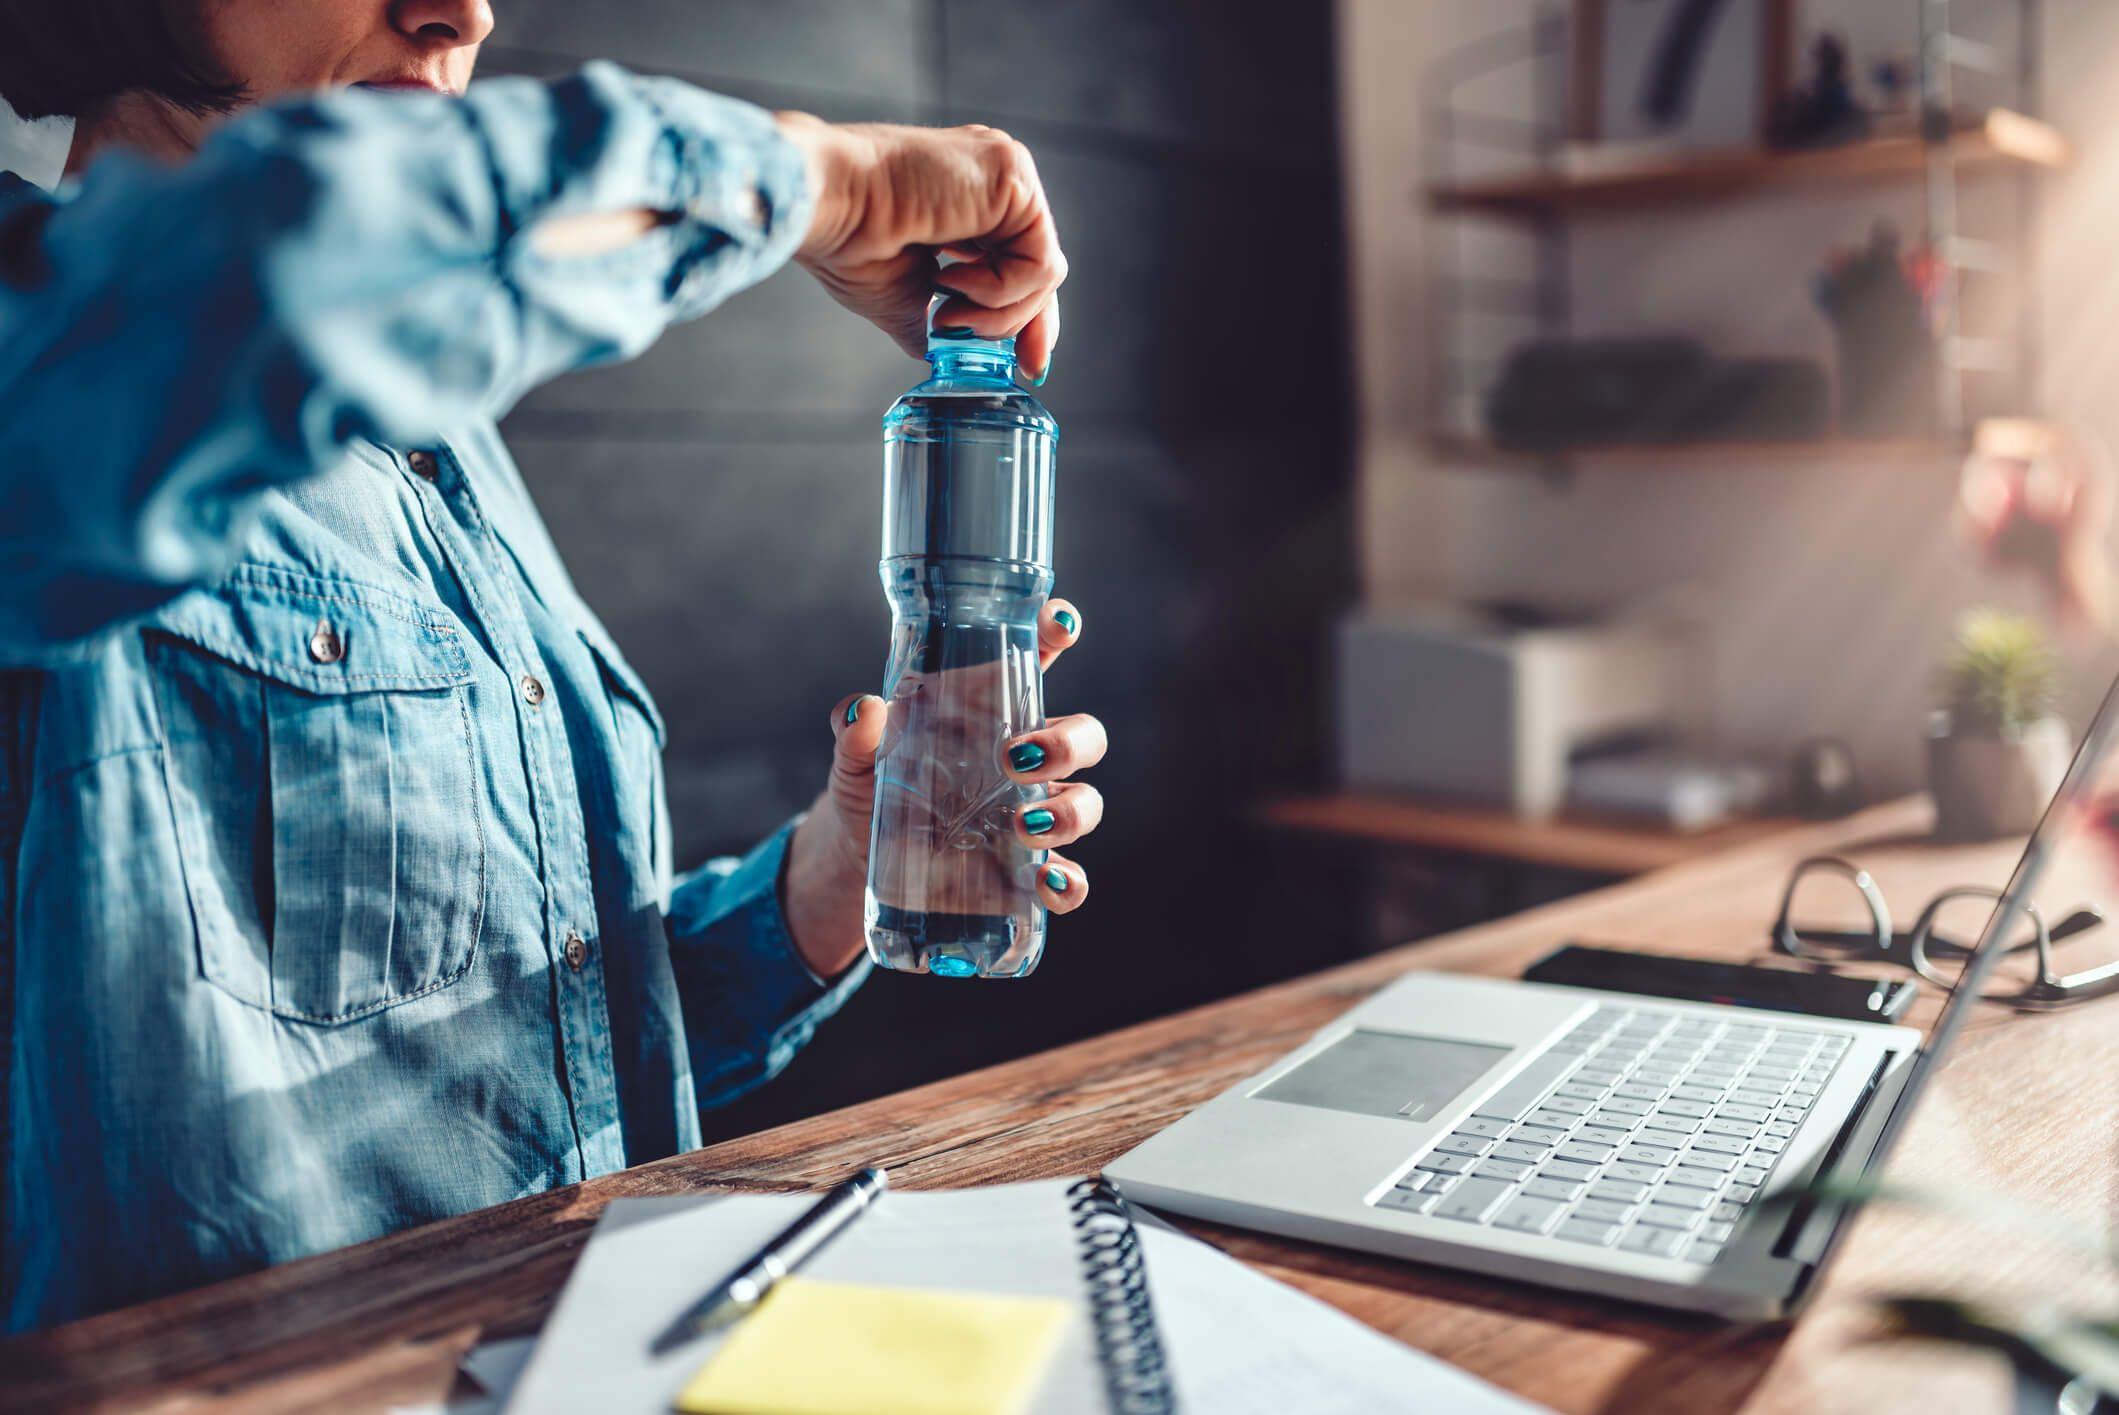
532 690
424 464
325 646
577 951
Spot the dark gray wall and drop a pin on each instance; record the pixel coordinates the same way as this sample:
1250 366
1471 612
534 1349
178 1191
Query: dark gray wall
718 500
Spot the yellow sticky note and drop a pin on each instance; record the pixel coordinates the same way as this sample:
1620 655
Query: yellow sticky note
831 1348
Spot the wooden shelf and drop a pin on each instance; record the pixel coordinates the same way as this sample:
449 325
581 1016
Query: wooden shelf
2000 138
1595 846
1687 455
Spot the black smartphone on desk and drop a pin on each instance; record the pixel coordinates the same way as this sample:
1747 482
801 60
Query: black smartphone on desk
1738 984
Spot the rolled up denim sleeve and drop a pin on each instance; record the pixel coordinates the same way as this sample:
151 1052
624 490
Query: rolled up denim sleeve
177 340
750 1002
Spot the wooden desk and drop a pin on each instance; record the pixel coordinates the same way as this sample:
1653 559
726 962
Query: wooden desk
2028 1107
1569 842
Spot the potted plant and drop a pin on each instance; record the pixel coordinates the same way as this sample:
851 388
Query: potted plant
1996 751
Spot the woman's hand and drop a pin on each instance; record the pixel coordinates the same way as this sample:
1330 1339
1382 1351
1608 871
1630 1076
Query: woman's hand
891 199
827 861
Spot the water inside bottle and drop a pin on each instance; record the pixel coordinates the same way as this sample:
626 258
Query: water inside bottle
952 889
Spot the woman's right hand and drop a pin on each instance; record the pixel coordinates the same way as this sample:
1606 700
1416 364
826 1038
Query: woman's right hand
891 199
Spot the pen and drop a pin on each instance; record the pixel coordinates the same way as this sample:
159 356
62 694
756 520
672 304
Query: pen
735 1295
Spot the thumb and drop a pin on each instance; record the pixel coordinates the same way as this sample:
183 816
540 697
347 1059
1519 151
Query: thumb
857 724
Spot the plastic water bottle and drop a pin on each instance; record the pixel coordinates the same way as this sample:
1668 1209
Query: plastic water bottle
968 461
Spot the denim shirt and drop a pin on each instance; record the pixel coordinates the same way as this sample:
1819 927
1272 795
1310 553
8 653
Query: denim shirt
334 861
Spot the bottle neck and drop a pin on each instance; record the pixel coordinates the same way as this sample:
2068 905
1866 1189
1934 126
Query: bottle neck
971 358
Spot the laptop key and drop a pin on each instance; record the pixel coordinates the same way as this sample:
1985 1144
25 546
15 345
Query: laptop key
1502 1169
1443 1183
1692 1092
1657 1135
1551 1119
1726 1212
1746 1112
1663 1119
1657 1155
1697 1176
1717 1232
1628 1105
1473 1200
1697 1110
1708 1159
1769 1144
1634 1173
1635 1091
1750 1174
1587 1154
1595 1131
1582 1230
1407 1202
1720 1144
1568 1170
1618 1191
1462 1145
1481 1125
1576 1090
1741 1129
1418 1179
1542 1188
1700 1251
1569 1105
1517 1150
1780 1128
1603 1210
1682 1197
1445 1164
1740 1193
1656 1242
1529 1214
1669 1216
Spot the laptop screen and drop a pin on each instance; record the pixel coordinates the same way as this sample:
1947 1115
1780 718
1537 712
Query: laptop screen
2071 855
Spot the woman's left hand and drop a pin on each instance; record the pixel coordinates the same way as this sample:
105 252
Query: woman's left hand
827 861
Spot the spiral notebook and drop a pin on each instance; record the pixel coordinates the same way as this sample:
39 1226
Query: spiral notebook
1157 1321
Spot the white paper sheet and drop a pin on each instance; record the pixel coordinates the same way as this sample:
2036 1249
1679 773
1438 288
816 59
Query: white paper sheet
1242 1344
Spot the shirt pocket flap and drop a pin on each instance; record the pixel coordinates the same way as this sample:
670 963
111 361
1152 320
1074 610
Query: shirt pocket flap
319 635
622 679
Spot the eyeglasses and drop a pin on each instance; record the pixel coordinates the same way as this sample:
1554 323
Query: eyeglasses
1942 939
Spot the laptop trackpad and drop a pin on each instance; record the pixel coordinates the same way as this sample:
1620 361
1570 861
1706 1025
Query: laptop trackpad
1385 1073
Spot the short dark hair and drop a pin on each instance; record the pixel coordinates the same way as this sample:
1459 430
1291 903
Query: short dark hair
70 56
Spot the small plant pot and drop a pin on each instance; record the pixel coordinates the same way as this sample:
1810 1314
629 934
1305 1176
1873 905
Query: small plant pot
1988 784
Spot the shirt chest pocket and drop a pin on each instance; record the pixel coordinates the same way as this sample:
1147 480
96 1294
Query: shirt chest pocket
324 790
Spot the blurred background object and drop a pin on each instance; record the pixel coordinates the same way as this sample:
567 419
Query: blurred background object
1996 747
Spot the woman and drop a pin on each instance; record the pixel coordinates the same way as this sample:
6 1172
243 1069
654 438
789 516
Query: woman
335 877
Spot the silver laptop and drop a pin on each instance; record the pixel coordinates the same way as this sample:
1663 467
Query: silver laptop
1604 1142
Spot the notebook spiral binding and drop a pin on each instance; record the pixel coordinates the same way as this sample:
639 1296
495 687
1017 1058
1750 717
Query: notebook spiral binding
1128 1341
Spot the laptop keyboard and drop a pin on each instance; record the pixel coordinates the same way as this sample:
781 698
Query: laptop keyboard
1644 1130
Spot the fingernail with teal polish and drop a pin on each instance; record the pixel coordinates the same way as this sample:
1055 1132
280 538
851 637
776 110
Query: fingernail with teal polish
953 331
1026 756
1039 381
1037 822
1057 880
1065 620
853 711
